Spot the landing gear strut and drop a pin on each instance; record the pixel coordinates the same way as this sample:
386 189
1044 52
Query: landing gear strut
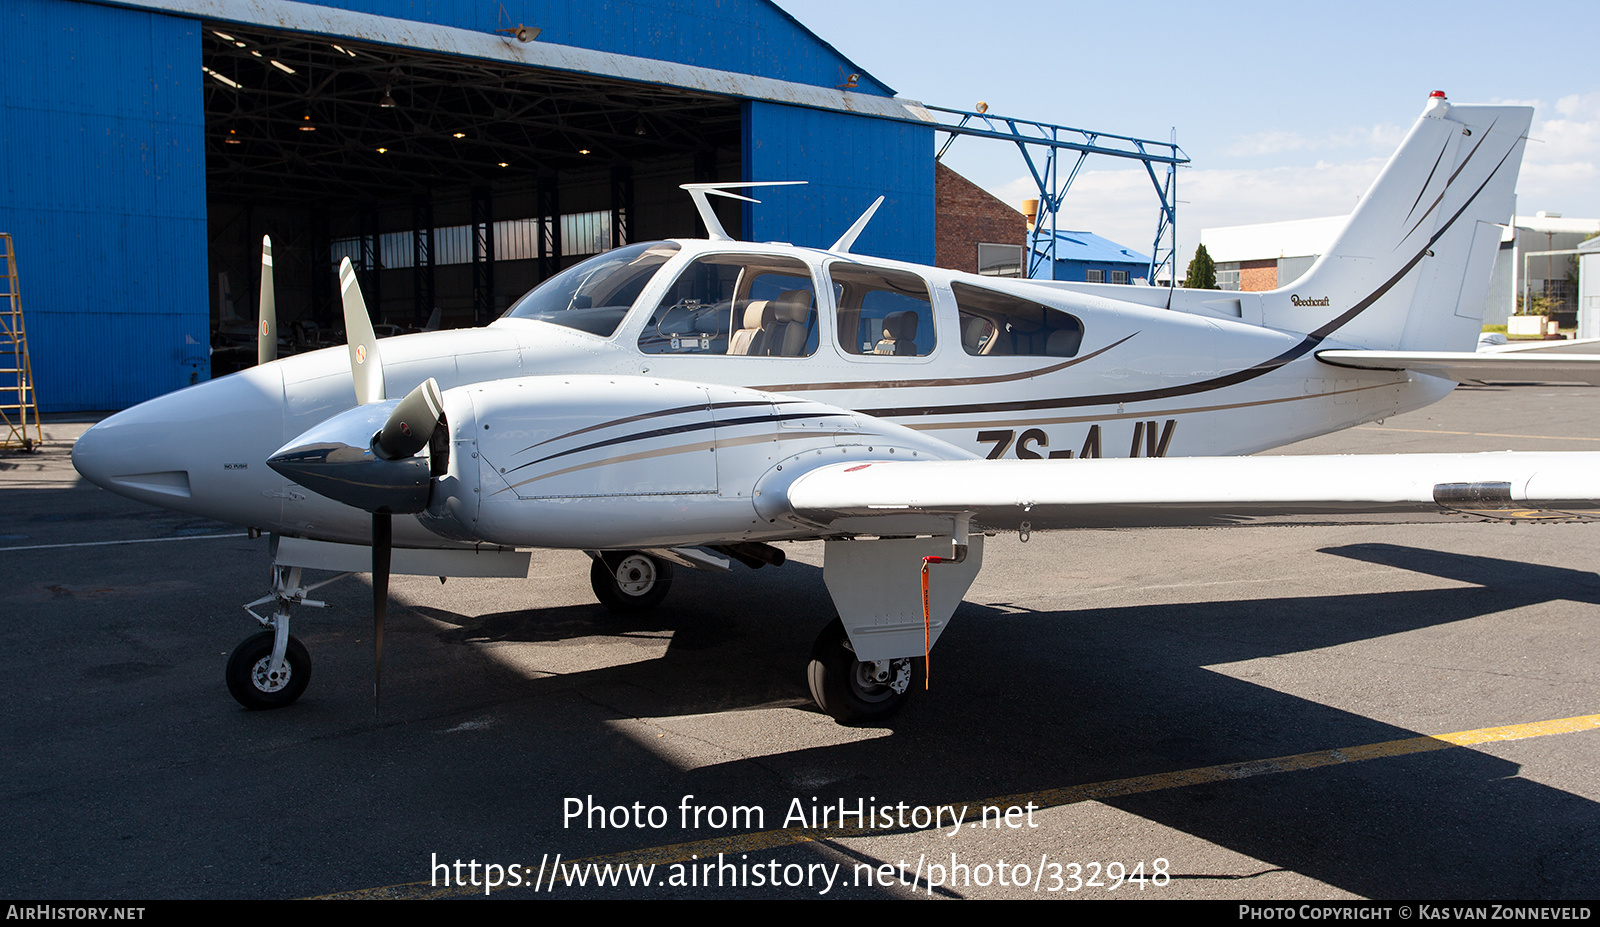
854 691
629 581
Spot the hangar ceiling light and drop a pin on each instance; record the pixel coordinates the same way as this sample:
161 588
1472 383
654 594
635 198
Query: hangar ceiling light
532 115
225 81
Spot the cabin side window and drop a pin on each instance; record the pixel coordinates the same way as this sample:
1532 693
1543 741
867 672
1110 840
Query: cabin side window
882 312
736 305
997 324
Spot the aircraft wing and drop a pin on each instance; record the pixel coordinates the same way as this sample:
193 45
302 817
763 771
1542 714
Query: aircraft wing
1526 364
1563 346
1197 491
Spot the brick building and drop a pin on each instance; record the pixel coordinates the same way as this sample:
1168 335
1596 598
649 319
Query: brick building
974 231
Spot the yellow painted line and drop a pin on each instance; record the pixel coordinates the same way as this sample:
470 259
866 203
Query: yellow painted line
1300 761
1048 798
1475 434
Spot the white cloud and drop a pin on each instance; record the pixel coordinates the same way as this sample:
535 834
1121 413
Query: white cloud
1561 169
1369 138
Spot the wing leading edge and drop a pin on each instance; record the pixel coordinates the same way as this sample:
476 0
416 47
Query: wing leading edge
1198 491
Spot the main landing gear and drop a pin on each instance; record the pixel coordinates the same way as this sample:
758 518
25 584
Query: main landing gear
852 691
856 691
629 582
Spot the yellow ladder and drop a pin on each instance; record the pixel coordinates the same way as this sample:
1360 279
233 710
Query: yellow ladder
19 408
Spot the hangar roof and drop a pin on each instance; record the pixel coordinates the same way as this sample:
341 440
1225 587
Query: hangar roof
745 48
1089 247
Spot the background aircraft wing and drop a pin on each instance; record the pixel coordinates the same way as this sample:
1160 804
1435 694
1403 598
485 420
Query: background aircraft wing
1198 491
1536 364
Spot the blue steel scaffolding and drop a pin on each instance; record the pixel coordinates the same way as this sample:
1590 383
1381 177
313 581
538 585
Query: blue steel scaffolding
1028 135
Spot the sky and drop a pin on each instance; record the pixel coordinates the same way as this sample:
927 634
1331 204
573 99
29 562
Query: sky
1286 110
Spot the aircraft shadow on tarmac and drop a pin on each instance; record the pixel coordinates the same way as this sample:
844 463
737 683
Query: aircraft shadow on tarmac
1025 701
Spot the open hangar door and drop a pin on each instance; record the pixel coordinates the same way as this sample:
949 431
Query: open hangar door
451 183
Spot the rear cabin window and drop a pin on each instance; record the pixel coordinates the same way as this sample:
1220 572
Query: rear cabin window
997 324
736 305
882 312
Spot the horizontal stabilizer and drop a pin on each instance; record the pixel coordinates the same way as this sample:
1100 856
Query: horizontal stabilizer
1198 491
1464 366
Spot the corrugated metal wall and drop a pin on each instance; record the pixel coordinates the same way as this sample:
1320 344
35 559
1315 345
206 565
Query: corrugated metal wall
103 191
848 161
744 36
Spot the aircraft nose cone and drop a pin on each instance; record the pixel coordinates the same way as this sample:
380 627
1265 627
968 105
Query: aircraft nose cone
166 450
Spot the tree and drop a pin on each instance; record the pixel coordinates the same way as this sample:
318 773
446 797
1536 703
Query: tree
1202 273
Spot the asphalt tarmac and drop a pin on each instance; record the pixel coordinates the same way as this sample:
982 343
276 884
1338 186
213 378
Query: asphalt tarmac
1243 713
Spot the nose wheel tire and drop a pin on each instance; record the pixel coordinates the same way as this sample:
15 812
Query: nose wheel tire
856 692
254 687
630 582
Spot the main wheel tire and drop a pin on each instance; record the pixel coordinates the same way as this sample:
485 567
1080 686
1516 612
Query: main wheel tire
249 682
630 582
847 688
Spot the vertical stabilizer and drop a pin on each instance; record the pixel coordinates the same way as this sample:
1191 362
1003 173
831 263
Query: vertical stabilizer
1411 268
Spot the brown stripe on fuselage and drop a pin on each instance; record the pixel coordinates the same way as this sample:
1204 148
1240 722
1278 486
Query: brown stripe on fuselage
1119 416
945 381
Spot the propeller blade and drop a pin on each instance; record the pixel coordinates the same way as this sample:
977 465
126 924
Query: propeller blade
267 331
411 423
365 367
382 532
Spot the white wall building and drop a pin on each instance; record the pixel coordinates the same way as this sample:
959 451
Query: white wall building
1589 289
1274 254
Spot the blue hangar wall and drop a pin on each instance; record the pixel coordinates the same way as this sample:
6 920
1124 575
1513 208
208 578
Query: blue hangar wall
103 187
103 193
847 162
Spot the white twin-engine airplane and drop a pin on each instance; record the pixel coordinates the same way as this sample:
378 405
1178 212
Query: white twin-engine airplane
689 402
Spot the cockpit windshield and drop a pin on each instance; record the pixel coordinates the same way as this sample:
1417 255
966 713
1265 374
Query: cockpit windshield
595 295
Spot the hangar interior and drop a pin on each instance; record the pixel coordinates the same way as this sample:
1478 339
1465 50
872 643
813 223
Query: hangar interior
450 183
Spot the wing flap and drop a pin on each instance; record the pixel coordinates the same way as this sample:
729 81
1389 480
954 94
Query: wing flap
1462 366
1198 491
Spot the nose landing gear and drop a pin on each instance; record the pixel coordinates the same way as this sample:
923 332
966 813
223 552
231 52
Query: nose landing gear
255 684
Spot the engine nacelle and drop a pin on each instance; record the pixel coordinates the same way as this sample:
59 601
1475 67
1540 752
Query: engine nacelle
624 462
